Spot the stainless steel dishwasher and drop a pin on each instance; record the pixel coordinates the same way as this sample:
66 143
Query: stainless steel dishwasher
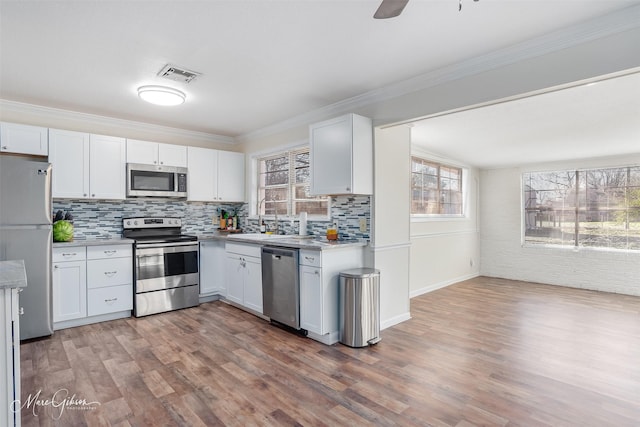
281 286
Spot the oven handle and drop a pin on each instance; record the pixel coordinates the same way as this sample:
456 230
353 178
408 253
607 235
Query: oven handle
167 247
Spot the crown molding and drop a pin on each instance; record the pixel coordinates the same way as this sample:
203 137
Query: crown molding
94 119
624 20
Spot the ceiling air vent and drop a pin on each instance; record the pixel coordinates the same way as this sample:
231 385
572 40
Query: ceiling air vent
178 74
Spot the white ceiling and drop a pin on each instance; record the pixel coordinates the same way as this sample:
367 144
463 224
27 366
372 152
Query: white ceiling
587 121
262 61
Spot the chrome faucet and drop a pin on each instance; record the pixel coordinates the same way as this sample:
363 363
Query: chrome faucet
275 208
260 212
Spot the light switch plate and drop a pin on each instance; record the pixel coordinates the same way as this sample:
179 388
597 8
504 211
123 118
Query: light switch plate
363 225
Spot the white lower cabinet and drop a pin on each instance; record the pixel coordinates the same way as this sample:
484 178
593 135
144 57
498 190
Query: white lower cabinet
109 300
69 290
212 268
91 284
320 289
69 284
244 275
253 284
311 299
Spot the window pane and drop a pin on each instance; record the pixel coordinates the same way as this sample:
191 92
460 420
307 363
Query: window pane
283 185
302 167
607 214
550 199
435 189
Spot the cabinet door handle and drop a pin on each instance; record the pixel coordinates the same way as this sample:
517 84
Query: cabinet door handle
4 147
84 195
309 258
317 273
348 189
110 273
109 253
111 300
71 254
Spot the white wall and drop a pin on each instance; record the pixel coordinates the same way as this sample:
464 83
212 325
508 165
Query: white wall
390 219
446 251
503 254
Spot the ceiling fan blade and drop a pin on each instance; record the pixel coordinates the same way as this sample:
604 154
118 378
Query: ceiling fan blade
390 9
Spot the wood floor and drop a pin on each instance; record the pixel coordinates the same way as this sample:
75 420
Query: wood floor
482 352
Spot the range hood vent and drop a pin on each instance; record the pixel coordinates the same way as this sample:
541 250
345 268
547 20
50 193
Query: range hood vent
178 74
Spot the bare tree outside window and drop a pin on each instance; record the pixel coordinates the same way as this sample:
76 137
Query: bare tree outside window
583 208
283 186
436 189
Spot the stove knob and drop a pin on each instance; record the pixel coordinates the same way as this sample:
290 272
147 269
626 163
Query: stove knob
128 222
135 222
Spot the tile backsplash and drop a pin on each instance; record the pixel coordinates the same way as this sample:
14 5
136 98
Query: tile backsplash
103 218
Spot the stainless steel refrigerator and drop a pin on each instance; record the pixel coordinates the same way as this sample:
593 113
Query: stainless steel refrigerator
25 233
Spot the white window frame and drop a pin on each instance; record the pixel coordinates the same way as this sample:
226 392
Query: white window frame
566 247
419 217
255 162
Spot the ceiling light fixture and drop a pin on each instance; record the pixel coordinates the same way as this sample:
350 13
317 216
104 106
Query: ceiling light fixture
161 95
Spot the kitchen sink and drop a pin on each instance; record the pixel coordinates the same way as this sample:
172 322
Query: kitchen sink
261 236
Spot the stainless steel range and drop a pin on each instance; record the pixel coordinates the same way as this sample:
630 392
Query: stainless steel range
166 265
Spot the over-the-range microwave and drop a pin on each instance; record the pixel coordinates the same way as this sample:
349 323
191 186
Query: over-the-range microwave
156 181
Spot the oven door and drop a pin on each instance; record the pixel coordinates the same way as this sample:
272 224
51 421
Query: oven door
166 265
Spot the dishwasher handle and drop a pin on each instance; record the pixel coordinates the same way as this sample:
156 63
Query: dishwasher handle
278 253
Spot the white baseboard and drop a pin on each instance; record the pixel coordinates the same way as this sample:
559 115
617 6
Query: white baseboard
395 320
443 284
91 319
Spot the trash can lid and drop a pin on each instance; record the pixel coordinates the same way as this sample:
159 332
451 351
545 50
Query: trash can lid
360 272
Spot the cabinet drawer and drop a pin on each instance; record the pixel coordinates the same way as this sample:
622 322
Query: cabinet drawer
311 258
244 249
109 272
109 251
109 300
71 253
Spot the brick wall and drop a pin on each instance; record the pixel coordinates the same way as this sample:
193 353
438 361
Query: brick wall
502 254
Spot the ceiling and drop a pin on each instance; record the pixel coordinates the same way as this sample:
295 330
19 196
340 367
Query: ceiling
592 120
262 61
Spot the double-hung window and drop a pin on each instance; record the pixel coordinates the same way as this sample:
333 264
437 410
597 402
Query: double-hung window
583 208
436 189
283 186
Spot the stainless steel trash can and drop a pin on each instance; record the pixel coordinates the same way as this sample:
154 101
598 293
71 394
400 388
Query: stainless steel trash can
360 307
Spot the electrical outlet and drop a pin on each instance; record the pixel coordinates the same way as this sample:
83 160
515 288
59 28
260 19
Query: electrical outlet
363 225
215 220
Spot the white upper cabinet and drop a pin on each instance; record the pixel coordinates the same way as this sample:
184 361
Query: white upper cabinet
107 167
215 175
154 153
87 166
15 138
202 183
69 155
230 176
341 155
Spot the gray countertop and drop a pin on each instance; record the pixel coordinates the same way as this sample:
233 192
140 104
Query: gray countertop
95 242
12 274
288 241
